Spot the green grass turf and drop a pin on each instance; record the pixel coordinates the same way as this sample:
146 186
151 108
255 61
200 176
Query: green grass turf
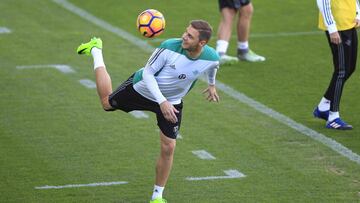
53 131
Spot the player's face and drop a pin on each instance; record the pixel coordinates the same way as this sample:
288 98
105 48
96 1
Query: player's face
190 39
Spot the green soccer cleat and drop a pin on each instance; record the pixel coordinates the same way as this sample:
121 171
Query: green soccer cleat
85 48
250 56
228 60
158 200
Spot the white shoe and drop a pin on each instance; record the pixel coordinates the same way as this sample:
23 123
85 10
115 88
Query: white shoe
250 56
228 60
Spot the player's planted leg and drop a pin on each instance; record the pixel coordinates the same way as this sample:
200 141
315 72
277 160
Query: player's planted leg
163 166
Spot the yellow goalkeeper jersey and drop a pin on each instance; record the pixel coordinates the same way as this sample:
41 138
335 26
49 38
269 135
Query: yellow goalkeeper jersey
339 12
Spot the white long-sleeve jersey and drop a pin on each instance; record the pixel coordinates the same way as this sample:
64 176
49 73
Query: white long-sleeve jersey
170 74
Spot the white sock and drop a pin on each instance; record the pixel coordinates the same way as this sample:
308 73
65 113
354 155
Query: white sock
333 115
221 46
157 192
324 104
243 45
98 57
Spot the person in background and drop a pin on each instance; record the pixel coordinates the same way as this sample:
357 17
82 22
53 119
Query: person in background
339 19
229 9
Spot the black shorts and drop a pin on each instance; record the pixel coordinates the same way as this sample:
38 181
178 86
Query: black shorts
127 99
235 4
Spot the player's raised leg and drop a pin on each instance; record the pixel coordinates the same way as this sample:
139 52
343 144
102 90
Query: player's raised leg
103 80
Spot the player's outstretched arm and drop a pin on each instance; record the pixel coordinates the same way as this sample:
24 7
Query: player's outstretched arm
212 95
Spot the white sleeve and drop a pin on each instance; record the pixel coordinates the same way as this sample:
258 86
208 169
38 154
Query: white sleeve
155 63
325 9
211 73
357 10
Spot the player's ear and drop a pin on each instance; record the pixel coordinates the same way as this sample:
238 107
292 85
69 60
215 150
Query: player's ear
202 43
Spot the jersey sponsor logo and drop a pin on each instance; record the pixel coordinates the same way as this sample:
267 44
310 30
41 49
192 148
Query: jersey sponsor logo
182 76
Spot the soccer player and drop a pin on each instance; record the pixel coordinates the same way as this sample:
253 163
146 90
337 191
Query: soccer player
167 77
338 18
229 9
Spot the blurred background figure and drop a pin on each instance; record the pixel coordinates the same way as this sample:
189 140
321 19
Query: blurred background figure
229 9
339 19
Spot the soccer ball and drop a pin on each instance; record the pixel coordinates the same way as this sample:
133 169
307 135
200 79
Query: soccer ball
150 23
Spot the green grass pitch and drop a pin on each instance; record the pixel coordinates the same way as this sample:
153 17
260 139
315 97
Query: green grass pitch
53 131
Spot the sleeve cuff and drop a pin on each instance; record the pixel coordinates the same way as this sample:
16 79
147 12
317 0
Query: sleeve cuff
332 28
160 100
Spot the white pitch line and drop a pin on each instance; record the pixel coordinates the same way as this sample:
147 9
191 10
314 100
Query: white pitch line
81 185
88 83
139 114
289 122
202 154
337 147
230 174
60 67
283 34
179 137
4 30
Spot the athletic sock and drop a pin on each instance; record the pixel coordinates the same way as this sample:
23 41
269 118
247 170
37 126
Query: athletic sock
98 57
333 115
157 192
243 47
324 104
221 46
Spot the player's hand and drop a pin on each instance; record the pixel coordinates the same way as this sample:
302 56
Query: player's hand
357 23
212 95
335 38
168 110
